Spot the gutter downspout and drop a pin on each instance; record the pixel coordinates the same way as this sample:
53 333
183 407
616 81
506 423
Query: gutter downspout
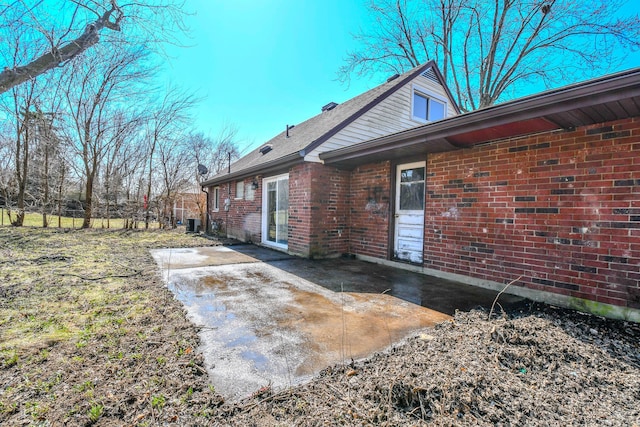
206 216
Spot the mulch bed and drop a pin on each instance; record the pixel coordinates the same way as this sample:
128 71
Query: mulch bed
541 366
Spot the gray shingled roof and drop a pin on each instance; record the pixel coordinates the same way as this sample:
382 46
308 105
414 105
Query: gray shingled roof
307 135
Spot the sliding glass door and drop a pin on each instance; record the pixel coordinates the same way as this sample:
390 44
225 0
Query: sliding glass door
275 211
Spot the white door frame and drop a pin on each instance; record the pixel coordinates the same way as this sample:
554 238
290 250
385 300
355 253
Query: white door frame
408 236
265 213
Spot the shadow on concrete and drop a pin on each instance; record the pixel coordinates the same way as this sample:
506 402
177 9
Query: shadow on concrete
351 275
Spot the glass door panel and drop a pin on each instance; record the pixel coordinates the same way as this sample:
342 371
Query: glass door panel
275 229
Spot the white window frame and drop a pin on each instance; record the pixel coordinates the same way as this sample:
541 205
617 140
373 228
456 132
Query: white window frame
216 199
265 220
429 95
240 189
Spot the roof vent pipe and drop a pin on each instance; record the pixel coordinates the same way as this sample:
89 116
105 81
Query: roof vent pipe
288 129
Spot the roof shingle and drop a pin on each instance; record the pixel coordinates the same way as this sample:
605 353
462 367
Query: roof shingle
309 134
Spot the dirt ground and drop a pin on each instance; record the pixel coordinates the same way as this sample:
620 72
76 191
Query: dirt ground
89 335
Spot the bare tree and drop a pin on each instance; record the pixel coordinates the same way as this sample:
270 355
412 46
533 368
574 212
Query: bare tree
19 108
488 50
215 155
202 148
6 169
79 28
95 90
224 149
132 171
29 107
44 155
174 161
163 122
124 125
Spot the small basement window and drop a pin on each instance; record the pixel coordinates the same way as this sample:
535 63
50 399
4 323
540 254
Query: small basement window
240 189
425 107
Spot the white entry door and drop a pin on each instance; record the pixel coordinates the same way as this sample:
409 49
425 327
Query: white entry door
409 212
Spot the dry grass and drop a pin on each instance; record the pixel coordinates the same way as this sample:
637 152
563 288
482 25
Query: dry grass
88 332
35 220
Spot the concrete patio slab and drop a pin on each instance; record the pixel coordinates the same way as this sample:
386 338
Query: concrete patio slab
269 319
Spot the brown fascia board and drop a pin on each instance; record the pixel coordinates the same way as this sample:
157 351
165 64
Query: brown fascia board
325 137
444 84
260 169
598 91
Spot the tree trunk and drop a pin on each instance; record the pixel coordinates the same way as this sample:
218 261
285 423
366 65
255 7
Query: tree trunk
62 171
45 201
22 145
86 223
107 213
148 207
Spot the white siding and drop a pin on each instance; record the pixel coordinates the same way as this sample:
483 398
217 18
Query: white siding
391 115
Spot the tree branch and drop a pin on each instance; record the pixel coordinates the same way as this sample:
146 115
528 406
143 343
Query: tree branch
11 77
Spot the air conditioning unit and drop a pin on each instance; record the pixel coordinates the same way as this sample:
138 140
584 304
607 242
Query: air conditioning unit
193 225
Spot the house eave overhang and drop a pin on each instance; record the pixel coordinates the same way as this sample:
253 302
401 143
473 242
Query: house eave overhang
608 98
266 168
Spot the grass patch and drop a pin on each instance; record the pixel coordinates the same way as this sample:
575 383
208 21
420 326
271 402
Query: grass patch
83 316
32 219
95 412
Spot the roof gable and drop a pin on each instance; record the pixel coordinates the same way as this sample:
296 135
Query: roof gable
393 114
291 145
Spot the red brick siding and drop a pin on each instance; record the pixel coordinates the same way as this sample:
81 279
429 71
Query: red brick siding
560 209
243 220
318 210
369 210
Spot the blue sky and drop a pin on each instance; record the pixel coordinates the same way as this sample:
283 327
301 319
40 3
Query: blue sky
264 64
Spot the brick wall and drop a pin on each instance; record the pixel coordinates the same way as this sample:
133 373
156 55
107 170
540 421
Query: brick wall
318 210
369 210
560 209
243 220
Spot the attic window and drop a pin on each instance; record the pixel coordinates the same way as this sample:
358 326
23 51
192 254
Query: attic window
264 150
427 107
329 106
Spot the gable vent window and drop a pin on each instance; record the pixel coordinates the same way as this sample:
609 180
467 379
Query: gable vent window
426 107
431 75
